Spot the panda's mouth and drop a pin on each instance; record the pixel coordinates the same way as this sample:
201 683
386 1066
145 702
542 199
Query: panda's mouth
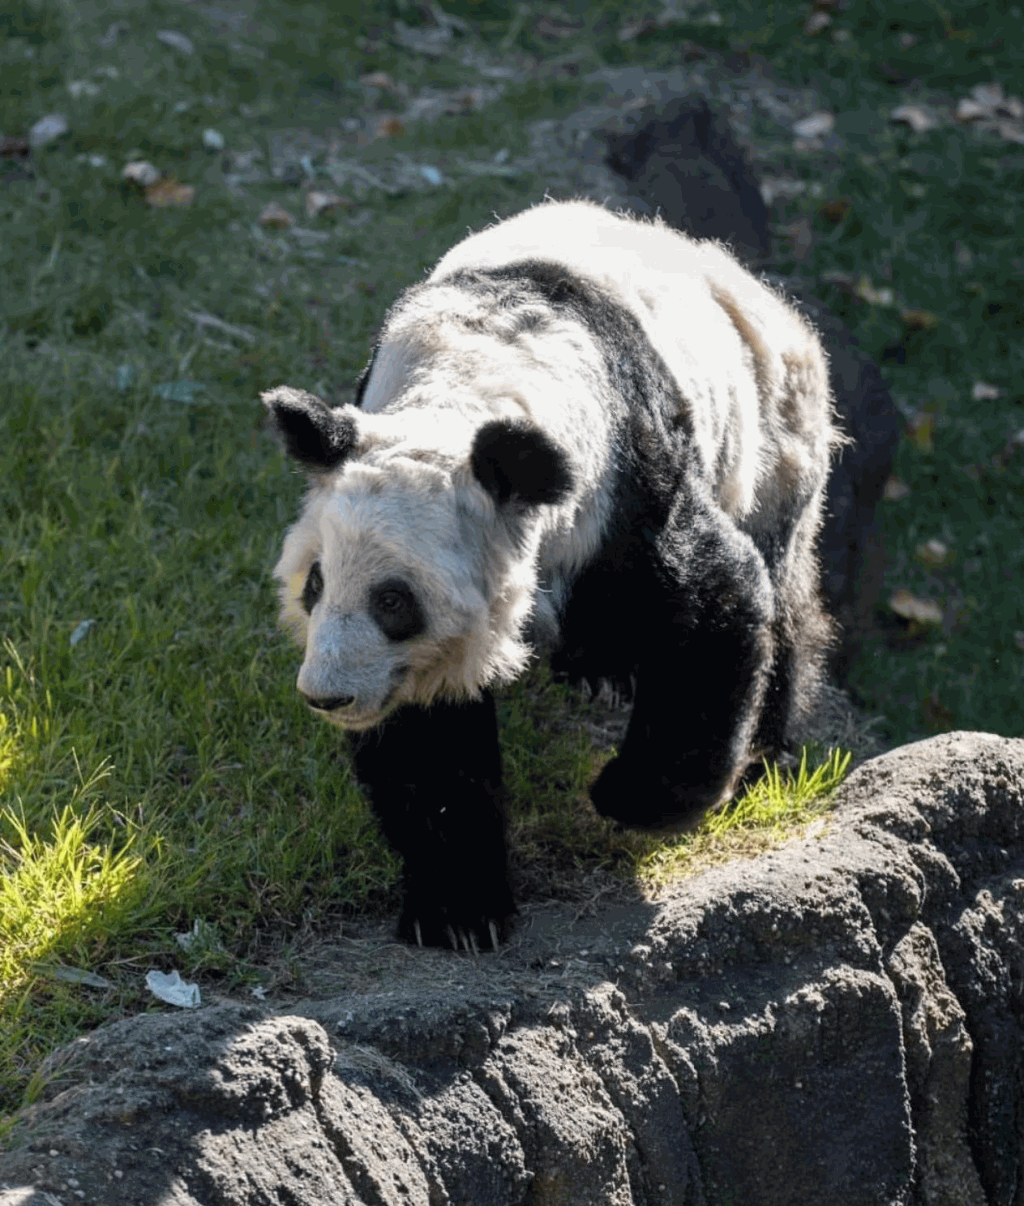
344 711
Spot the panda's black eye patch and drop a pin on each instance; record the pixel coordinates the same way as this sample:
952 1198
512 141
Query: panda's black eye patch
314 587
396 610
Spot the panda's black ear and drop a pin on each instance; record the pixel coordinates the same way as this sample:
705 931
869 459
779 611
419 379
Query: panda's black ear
316 436
515 462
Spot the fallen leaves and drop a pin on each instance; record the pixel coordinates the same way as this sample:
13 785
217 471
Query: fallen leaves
836 209
276 217
320 201
169 192
987 108
817 125
916 116
920 431
176 41
925 612
14 148
919 320
160 191
895 490
934 553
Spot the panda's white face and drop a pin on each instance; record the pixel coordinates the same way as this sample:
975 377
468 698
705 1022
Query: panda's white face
413 568
384 582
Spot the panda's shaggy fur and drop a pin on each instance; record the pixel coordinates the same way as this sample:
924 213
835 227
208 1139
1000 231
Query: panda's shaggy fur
583 433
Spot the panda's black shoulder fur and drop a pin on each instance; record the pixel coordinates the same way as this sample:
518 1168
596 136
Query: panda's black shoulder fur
656 420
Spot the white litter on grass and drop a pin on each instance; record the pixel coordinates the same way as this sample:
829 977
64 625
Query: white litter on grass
981 391
81 630
173 989
176 41
46 129
213 140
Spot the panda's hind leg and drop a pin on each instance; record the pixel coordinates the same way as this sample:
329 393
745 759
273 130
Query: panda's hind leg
705 658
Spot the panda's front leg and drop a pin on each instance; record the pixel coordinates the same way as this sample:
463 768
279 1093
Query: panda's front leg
433 777
705 660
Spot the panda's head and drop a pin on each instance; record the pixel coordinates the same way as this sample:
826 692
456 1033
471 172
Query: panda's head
412 568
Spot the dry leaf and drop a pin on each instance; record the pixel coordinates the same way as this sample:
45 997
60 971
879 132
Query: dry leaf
836 209
895 490
936 714
630 30
467 100
933 553
988 95
866 291
801 237
1010 132
378 79
981 391
815 126
1009 450
141 173
276 217
555 27
318 202
14 148
921 431
176 41
387 127
780 186
919 611
971 110
169 192
916 116
919 320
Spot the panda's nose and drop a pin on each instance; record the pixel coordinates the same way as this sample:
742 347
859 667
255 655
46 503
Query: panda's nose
330 704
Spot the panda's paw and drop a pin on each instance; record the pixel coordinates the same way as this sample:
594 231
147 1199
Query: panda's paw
639 799
467 925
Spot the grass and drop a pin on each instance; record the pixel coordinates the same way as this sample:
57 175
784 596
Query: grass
156 767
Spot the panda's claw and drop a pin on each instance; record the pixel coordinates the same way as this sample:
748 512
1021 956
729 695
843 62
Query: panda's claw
451 937
494 935
471 945
418 932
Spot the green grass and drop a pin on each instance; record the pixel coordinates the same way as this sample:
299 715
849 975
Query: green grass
156 767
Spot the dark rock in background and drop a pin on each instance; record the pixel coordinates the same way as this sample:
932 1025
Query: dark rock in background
838 1021
687 167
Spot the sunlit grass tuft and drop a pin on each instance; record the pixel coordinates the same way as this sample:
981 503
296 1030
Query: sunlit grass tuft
68 895
779 806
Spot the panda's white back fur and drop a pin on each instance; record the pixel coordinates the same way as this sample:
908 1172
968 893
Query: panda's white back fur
751 376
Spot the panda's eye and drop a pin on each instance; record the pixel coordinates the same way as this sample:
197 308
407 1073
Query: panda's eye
396 610
314 587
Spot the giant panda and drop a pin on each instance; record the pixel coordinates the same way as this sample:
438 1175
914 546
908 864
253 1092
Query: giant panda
583 433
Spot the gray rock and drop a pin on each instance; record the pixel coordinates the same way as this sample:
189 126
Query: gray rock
836 1021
